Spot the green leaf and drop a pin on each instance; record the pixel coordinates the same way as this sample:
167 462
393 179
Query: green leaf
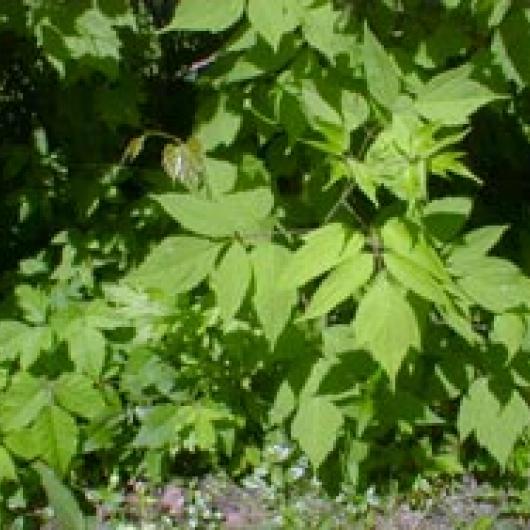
476 244
159 427
27 342
23 401
217 122
507 49
272 22
12 334
382 74
273 302
176 265
415 278
324 115
316 427
206 15
355 110
220 176
34 303
386 325
444 218
56 435
497 426
452 97
8 470
77 394
87 347
284 404
320 28
402 239
231 280
342 282
509 329
241 212
404 407
319 111
203 420
95 38
61 499
320 252
144 368
496 284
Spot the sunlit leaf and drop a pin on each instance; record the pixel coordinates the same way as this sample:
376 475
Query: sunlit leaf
386 325
231 280
207 15
316 427
272 300
341 283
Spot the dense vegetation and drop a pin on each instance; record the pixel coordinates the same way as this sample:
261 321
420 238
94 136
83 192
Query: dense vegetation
236 225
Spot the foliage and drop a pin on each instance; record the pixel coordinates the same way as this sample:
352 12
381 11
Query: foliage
307 261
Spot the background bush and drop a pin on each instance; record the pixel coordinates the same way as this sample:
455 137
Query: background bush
226 227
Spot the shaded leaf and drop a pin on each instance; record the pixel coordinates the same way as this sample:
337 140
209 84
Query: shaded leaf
444 218
65 507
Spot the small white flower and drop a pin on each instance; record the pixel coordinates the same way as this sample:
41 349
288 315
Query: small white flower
281 451
297 472
340 498
371 496
260 472
277 520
